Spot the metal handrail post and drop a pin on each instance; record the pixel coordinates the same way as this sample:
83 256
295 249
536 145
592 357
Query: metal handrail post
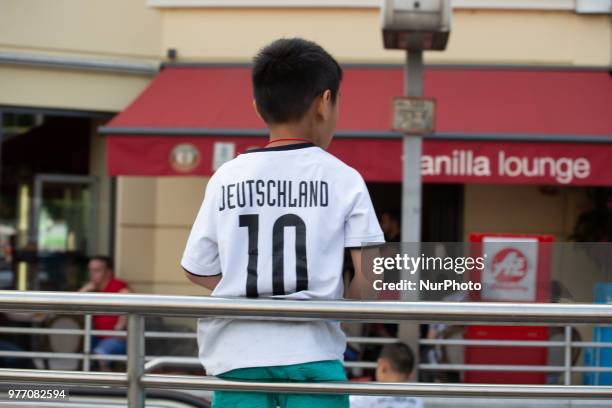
87 344
135 361
568 355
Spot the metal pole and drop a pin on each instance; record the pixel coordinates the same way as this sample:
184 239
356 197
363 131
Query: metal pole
1 142
135 361
183 382
568 355
411 196
87 344
413 146
378 388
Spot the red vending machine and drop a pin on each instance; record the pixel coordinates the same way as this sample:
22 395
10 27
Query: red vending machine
516 269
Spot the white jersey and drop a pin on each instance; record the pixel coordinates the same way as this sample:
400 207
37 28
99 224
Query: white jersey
274 223
367 401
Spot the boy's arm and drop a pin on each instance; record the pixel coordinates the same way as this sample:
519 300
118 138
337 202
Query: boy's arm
201 257
361 287
354 289
361 228
209 282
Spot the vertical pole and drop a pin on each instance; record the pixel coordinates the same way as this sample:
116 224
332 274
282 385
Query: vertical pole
411 196
92 242
1 142
87 344
413 146
37 208
568 355
135 361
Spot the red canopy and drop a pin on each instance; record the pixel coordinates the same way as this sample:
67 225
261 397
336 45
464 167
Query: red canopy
493 125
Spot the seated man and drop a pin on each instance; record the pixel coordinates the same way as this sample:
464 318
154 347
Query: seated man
395 364
102 279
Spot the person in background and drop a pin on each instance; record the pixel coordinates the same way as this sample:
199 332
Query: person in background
395 364
102 279
390 224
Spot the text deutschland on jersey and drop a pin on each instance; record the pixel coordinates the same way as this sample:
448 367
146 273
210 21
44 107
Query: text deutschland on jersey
274 193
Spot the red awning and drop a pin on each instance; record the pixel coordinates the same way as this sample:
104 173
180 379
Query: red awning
484 119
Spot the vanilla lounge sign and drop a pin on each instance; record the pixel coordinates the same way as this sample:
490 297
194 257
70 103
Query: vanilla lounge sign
379 160
465 163
537 163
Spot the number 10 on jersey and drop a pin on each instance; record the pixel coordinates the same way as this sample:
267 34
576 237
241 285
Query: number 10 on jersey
251 222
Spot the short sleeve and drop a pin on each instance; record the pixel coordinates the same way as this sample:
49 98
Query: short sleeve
201 256
361 226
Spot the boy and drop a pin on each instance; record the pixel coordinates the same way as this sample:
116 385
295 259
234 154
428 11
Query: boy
274 223
395 364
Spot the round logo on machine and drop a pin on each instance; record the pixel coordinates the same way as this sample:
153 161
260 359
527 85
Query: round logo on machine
184 157
509 265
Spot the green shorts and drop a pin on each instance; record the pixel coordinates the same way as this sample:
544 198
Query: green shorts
318 371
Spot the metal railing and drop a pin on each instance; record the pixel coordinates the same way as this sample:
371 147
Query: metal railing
567 369
138 306
153 362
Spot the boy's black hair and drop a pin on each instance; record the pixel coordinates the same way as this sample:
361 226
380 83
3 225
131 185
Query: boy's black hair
399 356
108 261
288 75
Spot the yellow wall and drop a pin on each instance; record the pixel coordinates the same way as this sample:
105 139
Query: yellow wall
154 217
93 27
522 209
105 30
353 35
67 89
97 168
130 29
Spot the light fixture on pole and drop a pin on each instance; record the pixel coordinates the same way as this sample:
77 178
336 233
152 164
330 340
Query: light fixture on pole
413 26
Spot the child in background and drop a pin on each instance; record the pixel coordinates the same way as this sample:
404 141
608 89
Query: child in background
395 364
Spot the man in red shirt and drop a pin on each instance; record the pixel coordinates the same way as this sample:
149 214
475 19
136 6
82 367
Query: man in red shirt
102 279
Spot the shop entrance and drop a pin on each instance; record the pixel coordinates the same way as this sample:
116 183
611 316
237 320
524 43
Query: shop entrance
49 199
442 209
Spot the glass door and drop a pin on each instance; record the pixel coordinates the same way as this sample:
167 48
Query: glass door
64 228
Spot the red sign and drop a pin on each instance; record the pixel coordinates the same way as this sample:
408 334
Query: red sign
379 160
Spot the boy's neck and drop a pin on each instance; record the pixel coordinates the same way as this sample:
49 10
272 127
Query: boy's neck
281 135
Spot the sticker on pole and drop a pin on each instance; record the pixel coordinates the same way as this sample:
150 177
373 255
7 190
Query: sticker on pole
413 115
